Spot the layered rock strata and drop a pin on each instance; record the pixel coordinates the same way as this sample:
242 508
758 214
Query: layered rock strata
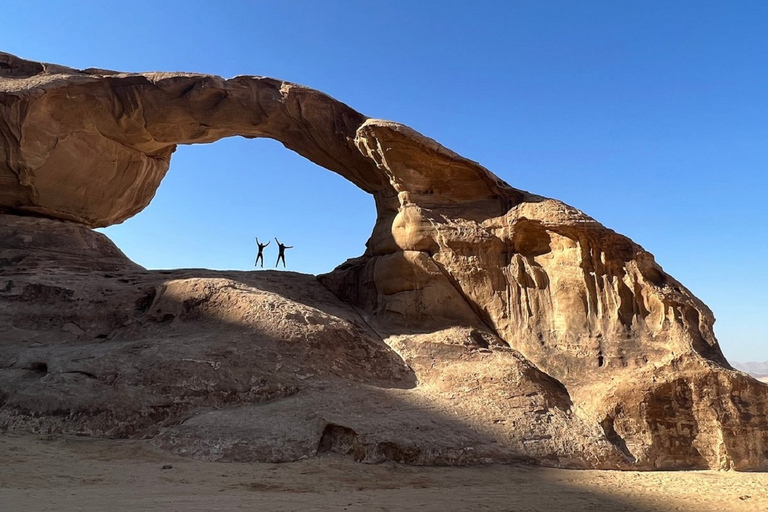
585 318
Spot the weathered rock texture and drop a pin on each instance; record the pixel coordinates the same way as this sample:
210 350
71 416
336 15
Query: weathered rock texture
537 332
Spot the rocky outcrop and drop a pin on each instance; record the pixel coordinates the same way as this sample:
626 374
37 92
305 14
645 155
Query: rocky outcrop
575 316
46 246
260 366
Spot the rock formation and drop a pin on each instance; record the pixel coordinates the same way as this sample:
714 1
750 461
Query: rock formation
483 323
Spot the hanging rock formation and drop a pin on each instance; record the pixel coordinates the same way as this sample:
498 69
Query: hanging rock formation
507 307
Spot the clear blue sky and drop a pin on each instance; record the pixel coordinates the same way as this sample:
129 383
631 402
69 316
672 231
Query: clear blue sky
651 116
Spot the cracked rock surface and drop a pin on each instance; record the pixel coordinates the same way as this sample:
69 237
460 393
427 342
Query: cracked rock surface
483 323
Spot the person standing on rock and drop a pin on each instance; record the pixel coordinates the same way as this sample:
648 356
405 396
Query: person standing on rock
261 252
281 252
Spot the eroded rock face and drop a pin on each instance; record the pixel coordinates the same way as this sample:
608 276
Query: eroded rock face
267 366
46 246
454 247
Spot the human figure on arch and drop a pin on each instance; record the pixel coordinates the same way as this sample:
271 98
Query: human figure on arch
260 256
281 252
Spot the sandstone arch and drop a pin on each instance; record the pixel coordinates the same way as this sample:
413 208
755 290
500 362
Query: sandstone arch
453 245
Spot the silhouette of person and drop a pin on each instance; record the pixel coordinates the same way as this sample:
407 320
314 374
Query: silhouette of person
281 252
261 253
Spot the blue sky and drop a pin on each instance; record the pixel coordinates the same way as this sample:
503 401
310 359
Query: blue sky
651 116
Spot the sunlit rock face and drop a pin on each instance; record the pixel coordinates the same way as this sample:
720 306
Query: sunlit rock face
631 350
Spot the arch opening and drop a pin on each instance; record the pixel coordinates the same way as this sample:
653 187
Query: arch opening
217 198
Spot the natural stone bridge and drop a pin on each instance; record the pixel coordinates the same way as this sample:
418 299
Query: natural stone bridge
631 349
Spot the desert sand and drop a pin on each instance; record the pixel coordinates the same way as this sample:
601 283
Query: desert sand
65 473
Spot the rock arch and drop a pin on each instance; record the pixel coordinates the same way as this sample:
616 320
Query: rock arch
453 244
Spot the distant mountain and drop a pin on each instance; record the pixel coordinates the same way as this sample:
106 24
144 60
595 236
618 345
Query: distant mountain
754 368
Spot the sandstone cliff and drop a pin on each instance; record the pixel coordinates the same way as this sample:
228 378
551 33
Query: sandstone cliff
518 326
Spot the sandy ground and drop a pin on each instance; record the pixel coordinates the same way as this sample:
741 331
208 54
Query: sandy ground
41 473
